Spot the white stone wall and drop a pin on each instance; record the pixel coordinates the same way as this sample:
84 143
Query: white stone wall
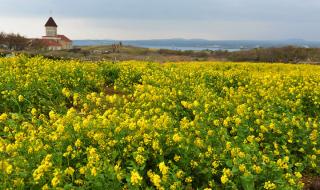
55 38
54 48
51 31
66 45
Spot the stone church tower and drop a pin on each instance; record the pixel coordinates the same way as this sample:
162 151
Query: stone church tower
51 27
54 41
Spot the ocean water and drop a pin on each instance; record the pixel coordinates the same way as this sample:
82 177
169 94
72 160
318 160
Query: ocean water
198 45
186 48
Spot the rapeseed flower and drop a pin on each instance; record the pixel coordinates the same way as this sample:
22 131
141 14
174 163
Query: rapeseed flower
163 168
135 178
20 98
269 185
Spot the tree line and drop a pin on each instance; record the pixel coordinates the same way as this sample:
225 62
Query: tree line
13 41
17 42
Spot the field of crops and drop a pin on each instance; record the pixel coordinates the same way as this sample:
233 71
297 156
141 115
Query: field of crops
141 125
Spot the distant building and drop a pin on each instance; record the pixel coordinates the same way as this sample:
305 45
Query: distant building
52 40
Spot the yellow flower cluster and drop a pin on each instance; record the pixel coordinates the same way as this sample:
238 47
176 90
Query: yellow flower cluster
44 167
269 185
142 125
155 179
135 178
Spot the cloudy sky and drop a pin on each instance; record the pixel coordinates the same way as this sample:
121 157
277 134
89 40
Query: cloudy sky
158 19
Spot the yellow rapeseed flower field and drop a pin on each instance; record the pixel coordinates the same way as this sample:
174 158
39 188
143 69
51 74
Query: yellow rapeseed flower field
142 125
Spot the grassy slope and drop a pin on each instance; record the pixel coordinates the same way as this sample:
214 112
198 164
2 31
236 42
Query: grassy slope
95 53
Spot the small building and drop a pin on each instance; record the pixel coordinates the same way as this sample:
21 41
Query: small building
52 40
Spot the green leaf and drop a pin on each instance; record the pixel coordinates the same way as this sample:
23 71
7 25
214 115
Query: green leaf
247 182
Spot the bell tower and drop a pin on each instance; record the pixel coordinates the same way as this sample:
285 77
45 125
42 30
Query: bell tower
51 27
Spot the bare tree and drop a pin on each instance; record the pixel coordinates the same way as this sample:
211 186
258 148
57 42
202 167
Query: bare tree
36 44
13 41
2 40
17 42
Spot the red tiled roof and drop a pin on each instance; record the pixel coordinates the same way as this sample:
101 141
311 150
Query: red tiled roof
48 42
64 38
51 22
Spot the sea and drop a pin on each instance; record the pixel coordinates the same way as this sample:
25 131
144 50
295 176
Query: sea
200 44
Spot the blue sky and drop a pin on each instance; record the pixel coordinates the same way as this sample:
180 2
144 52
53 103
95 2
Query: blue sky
156 19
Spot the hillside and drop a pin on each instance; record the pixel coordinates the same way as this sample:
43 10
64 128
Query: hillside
108 52
287 54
